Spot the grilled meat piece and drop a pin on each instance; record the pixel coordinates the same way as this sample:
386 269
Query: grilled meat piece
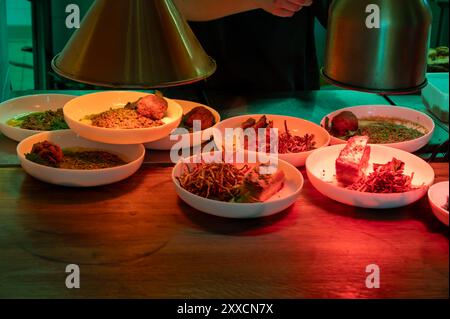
260 187
353 160
343 123
152 106
47 152
263 123
248 123
201 114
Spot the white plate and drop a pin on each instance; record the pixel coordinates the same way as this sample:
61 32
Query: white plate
133 154
277 203
320 167
186 140
28 104
437 196
390 111
295 125
95 103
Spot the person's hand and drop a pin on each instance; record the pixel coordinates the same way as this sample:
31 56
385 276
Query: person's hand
283 8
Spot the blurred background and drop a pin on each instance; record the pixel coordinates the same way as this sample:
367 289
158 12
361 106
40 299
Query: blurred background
33 31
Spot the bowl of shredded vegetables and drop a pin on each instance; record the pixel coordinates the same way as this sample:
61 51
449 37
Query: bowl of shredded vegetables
290 138
238 189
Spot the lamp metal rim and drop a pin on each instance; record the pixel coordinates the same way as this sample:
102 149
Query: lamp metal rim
401 91
118 85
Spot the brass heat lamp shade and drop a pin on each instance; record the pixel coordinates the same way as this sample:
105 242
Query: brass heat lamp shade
134 44
390 59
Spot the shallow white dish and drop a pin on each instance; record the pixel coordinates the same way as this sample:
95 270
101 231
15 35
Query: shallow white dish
320 167
186 140
277 203
133 154
28 104
95 103
390 111
437 196
295 125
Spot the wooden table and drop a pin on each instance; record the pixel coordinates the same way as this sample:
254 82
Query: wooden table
137 239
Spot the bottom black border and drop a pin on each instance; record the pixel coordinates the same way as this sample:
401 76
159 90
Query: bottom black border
163 308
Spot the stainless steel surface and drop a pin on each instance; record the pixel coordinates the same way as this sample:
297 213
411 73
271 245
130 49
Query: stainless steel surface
134 44
390 59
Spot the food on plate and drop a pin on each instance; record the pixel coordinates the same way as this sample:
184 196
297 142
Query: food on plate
385 178
446 205
344 123
256 125
40 121
146 112
352 167
260 187
49 154
353 160
228 183
287 142
201 114
380 130
219 181
45 153
438 59
123 118
151 106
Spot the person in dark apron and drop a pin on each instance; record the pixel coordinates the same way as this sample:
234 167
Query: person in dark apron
267 48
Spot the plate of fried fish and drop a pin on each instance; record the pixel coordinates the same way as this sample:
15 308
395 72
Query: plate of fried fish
233 188
369 176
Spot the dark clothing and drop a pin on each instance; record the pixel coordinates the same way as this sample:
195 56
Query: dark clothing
257 51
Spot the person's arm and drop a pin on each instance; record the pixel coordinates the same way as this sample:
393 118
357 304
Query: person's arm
204 10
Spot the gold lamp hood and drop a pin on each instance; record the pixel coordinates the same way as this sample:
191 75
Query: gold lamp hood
390 58
134 44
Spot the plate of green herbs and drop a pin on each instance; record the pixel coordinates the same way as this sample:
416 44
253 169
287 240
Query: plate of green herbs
28 115
394 126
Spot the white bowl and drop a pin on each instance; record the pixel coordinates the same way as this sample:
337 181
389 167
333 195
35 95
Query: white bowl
186 140
390 111
320 167
437 196
295 125
28 104
277 203
133 154
95 103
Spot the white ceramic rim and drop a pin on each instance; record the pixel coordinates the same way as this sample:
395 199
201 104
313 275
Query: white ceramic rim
295 193
93 171
426 136
122 130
